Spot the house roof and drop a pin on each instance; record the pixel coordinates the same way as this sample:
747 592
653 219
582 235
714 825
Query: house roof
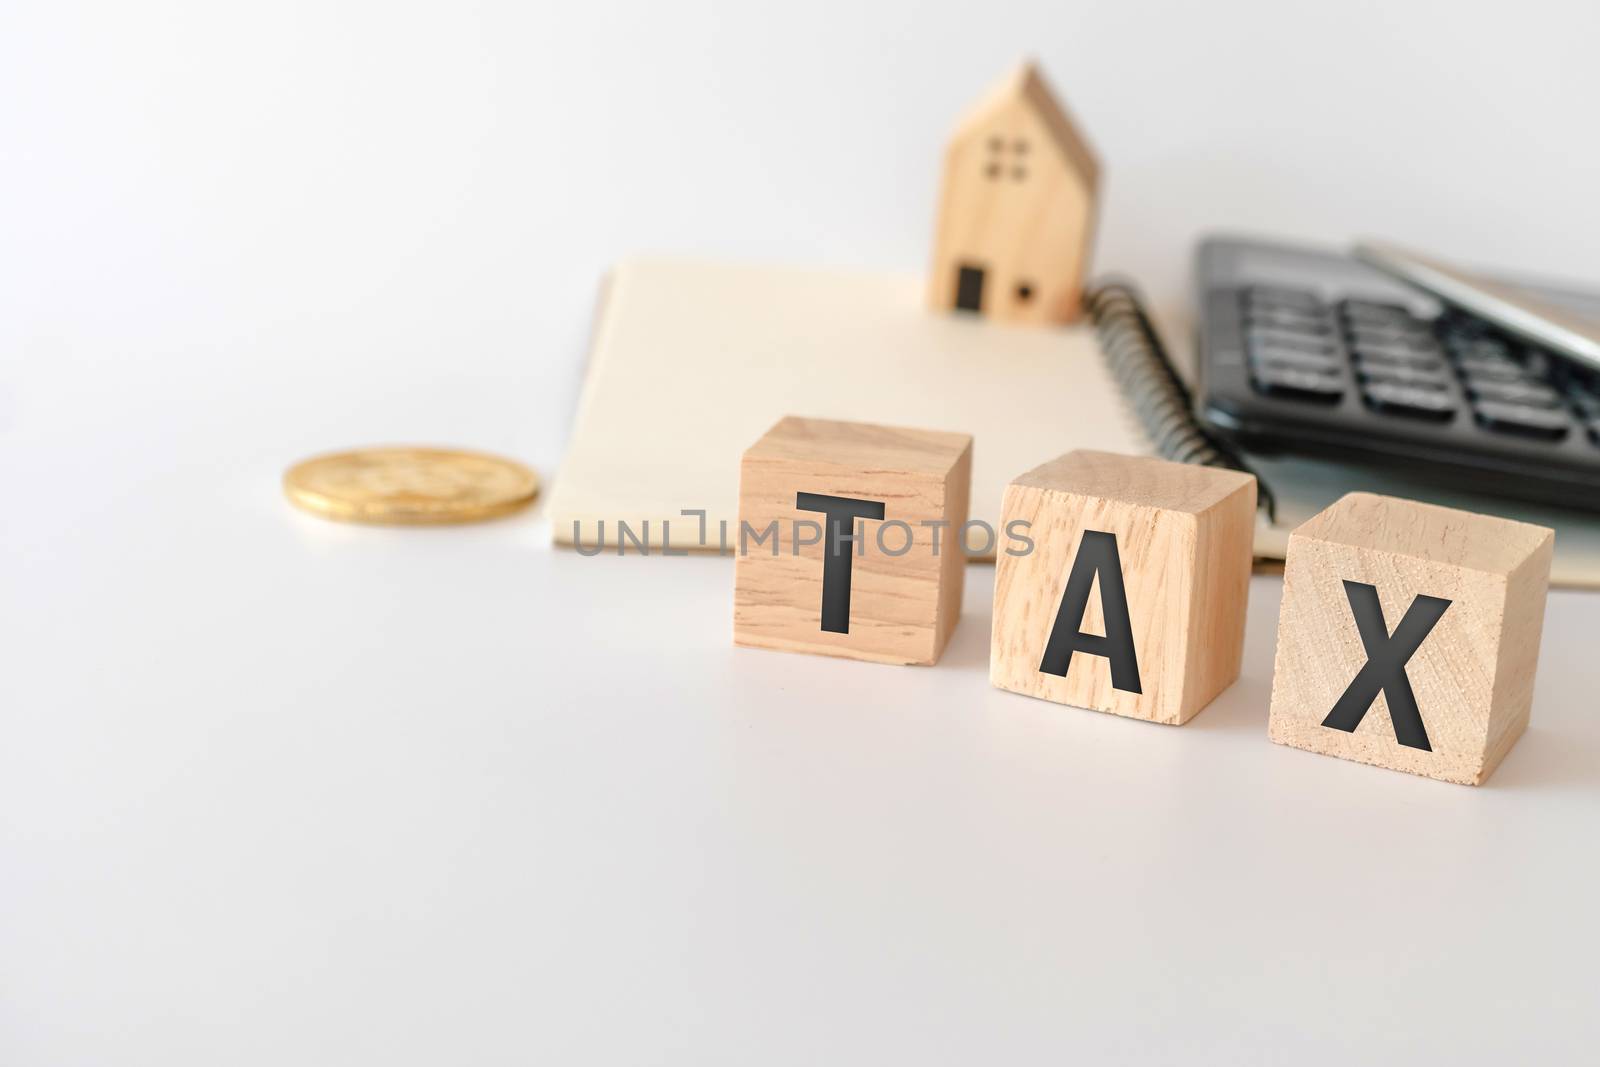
1026 84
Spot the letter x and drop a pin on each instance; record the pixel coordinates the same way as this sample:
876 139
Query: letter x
1385 669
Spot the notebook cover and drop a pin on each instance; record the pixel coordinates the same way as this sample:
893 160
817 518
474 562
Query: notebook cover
692 362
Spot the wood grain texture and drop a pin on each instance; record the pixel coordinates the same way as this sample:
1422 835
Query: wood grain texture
1184 540
1472 675
905 601
1018 202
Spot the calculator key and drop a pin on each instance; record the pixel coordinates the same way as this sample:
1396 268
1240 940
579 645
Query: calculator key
1463 328
1376 312
1490 365
1394 348
1299 384
1302 361
1376 359
1289 319
1594 430
1521 419
1302 310
1401 374
1299 342
1355 306
1587 402
1301 349
1414 400
1486 348
1537 362
1282 296
1545 366
1402 336
1404 328
1493 372
1534 394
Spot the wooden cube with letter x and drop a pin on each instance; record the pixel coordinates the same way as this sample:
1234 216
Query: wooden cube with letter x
849 540
1408 636
1132 596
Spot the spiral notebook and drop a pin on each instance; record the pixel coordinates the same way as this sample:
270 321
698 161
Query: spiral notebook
691 362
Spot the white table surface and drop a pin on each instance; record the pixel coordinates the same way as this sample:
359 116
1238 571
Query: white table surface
274 790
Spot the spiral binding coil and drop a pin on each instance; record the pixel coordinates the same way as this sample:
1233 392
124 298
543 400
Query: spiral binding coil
1143 371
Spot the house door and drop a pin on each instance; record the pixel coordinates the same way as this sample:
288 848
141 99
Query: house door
969 288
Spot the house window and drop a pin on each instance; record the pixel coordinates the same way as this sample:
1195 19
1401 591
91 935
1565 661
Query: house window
1004 155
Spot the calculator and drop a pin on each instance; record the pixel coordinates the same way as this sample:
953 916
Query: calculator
1309 351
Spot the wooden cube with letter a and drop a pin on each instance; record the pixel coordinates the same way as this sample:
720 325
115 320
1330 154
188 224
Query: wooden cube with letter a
849 540
1132 596
1408 636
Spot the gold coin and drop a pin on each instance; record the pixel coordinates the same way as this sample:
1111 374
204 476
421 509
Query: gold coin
410 486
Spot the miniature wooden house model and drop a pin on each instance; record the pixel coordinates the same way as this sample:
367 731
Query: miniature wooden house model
1017 210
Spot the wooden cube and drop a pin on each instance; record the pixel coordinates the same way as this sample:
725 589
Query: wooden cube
893 593
1409 635
1132 598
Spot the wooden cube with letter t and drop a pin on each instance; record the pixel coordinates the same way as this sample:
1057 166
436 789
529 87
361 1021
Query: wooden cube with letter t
1409 635
849 540
1132 597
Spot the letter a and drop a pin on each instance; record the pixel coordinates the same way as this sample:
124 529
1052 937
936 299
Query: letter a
1097 556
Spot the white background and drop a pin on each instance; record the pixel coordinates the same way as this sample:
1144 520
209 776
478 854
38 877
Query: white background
276 791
